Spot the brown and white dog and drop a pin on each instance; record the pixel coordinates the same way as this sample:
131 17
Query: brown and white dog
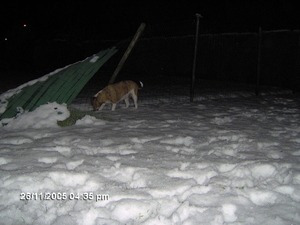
115 93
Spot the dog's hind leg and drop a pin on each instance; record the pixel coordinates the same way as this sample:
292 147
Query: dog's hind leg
135 98
126 102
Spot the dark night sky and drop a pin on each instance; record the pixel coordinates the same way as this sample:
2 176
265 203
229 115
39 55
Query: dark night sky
27 48
114 19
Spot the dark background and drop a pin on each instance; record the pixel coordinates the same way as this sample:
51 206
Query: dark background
118 19
57 32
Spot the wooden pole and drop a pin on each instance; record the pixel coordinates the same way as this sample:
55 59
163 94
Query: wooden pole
127 52
192 88
296 80
258 63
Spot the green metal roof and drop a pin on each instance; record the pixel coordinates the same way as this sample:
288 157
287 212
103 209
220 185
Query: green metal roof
60 87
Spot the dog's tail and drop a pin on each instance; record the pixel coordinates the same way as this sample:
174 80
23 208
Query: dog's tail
141 85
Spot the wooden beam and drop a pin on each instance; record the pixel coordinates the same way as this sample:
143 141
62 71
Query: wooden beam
127 52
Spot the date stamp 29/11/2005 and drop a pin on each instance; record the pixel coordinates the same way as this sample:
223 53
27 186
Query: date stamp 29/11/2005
51 196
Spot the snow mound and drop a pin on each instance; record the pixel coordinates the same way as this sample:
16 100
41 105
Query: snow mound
45 116
89 120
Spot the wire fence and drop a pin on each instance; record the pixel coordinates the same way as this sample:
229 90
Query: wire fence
226 63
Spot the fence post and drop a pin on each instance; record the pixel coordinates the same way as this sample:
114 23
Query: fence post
296 80
258 63
192 88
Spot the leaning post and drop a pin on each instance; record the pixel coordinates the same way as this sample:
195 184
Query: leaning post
127 52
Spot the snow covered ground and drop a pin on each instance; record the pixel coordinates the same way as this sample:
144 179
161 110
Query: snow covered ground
216 161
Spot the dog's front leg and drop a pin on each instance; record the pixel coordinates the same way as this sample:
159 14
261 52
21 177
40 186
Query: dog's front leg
102 106
113 106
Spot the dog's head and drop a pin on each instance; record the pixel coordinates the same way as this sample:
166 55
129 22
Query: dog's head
98 99
95 103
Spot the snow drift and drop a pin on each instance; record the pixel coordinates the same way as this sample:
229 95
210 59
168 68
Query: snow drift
226 161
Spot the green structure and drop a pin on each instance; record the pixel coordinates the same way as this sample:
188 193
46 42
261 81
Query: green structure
61 86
